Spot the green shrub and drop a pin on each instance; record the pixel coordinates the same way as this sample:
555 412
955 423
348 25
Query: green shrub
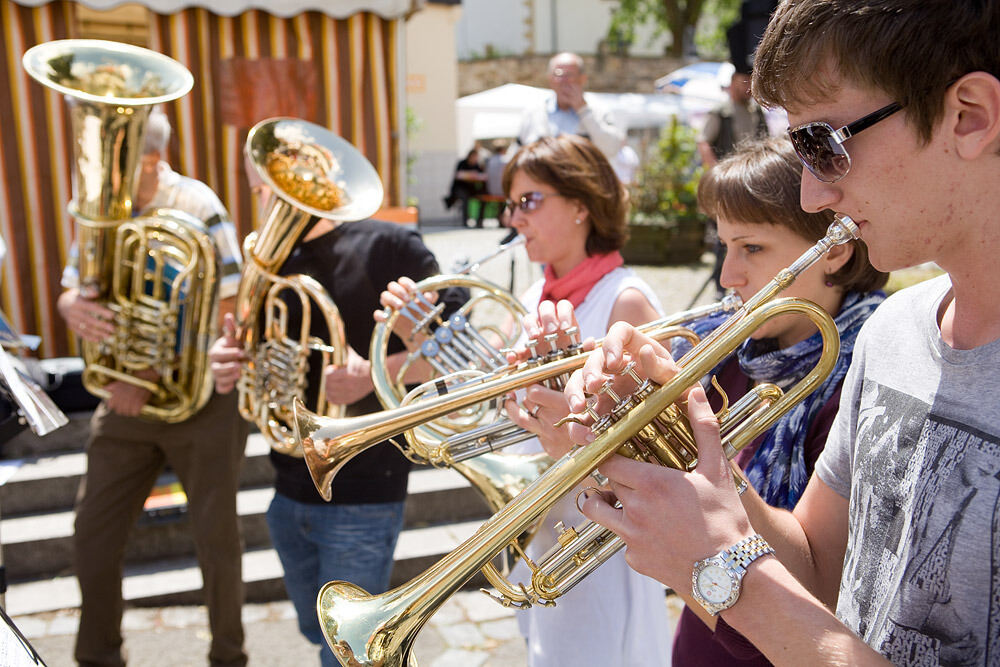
666 189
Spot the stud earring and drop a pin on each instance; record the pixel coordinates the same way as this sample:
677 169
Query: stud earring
579 221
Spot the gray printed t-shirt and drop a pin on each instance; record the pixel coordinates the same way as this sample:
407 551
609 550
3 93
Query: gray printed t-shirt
916 451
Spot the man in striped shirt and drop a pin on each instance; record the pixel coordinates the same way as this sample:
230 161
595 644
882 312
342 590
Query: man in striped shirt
126 453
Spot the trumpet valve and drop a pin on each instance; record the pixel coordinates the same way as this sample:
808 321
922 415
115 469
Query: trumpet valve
565 535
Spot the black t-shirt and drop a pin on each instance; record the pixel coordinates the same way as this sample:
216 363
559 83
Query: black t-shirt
354 263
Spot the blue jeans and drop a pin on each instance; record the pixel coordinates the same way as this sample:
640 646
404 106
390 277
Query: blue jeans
318 543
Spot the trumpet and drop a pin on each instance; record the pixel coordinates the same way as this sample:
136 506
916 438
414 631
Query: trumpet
364 629
329 443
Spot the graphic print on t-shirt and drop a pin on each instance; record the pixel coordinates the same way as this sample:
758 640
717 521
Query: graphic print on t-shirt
921 577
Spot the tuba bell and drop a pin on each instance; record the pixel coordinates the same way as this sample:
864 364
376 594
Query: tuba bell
311 173
158 272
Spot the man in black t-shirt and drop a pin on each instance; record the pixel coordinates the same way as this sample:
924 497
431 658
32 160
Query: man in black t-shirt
351 538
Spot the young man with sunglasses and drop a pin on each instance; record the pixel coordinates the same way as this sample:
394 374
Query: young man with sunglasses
895 114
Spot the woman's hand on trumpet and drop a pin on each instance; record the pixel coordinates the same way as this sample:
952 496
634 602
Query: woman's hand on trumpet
550 318
538 411
663 539
540 407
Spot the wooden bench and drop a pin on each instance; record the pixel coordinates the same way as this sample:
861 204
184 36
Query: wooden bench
406 215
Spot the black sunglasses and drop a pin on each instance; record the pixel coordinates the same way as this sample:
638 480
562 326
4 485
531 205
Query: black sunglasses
529 201
821 148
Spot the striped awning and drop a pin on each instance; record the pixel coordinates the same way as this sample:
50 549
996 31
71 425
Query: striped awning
340 73
338 9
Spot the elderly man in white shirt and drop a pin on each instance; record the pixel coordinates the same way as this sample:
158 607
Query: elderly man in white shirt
570 111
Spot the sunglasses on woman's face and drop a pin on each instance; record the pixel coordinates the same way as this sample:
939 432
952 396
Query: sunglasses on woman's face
821 148
529 201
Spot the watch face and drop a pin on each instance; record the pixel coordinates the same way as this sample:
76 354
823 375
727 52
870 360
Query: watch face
714 584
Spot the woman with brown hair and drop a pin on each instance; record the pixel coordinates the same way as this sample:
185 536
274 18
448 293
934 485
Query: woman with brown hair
754 195
566 201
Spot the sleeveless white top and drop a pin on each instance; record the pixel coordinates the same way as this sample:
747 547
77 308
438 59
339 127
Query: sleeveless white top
615 616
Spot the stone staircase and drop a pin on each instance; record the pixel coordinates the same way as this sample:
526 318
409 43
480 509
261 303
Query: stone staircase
36 527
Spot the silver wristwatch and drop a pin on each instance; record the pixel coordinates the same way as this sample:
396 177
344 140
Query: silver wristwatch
716 580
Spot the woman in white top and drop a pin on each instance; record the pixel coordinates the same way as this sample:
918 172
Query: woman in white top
567 202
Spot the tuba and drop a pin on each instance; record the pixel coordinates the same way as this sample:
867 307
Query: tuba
157 273
371 630
311 173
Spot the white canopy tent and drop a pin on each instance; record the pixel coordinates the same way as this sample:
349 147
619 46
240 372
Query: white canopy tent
497 112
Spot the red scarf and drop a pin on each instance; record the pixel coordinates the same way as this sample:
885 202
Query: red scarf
576 284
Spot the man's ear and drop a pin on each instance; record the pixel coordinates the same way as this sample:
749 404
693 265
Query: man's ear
972 107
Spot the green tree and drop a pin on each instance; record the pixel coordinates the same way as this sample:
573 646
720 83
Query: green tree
706 20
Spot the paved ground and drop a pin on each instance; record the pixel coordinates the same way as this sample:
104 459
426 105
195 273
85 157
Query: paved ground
468 631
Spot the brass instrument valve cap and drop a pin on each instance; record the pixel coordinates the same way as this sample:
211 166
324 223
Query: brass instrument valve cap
565 535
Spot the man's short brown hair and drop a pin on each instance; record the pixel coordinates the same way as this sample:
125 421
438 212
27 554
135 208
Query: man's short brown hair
911 49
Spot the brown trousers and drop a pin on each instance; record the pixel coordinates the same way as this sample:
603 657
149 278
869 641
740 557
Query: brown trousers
124 457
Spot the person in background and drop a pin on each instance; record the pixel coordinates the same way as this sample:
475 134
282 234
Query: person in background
352 537
737 119
897 528
731 122
569 111
126 452
469 181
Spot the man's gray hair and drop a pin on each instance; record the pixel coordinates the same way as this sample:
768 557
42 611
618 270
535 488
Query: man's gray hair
566 55
157 133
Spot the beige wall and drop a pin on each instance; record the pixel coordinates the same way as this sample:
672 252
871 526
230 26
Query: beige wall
432 75
431 91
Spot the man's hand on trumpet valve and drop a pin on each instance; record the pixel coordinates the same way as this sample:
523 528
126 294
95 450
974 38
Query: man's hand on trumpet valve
670 519
395 296
226 357
663 540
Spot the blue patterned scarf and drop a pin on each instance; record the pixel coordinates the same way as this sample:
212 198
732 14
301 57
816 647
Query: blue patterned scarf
778 468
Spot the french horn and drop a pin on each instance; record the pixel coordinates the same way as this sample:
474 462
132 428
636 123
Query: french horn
370 630
311 173
157 273
467 344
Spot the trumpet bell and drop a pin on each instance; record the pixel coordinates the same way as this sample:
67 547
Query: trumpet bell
348 613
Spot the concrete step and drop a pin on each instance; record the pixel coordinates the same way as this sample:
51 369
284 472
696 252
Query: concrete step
40 544
178 581
49 481
71 436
